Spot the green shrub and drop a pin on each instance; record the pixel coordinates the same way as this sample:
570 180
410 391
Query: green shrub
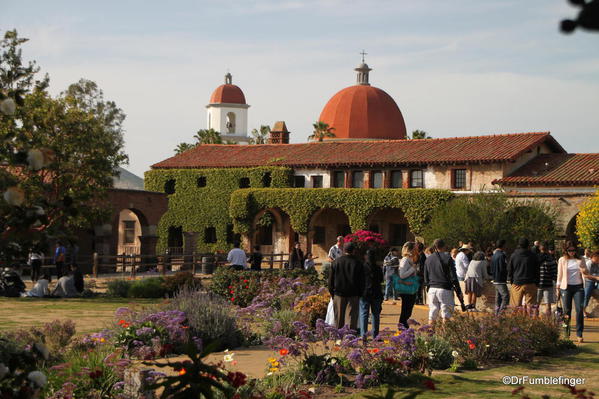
118 288
281 323
56 335
151 287
434 351
179 280
587 223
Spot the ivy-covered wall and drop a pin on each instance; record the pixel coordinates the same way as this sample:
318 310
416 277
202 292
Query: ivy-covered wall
358 204
196 208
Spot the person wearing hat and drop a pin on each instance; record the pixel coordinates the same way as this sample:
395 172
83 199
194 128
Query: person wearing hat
523 273
346 285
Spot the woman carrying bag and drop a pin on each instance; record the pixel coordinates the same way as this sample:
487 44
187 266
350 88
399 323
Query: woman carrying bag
571 272
407 282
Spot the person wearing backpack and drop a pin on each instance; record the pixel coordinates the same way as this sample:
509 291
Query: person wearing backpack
59 258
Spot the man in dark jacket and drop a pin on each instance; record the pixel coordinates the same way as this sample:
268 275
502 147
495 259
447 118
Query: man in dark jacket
547 277
441 279
499 274
372 298
346 285
523 274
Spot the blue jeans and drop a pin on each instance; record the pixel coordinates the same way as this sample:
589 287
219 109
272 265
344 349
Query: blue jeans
576 293
589 286
389 289
366 306
502 297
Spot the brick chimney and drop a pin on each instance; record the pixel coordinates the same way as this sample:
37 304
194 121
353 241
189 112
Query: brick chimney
279 134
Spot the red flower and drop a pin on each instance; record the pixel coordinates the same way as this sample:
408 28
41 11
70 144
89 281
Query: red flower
469 341
472 346
283 352
246 281
182 372
430 385
230 286
233 299
237 379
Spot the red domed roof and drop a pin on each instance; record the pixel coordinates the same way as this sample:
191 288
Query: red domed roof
364 112
228 94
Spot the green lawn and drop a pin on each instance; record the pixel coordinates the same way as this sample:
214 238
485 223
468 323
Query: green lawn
487 383
89 314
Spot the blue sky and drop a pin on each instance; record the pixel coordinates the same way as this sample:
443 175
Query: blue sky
465 67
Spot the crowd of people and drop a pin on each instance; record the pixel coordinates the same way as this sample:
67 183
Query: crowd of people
526 279
69 282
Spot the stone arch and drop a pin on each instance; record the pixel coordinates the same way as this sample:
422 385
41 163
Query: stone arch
131 224
570 232
231 122
324 227
392 224
281 235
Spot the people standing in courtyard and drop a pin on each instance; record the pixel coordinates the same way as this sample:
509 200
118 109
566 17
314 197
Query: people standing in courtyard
591 284
236 257
60 254
371 301
547 278
441 279
462 260
296 259
256 259
419 260
336 250
408 278
571 272
35 262
475 278
499 276
390 266
523 274
346 286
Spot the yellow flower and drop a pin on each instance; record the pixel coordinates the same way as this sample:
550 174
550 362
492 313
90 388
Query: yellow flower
397 334
386 342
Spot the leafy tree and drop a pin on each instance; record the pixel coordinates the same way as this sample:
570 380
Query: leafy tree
486 217
419 134
587 223
260 136
182 147
322 130
208 136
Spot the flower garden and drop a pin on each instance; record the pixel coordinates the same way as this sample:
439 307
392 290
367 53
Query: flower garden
168 346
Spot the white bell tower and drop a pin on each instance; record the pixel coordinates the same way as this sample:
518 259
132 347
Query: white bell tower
227 112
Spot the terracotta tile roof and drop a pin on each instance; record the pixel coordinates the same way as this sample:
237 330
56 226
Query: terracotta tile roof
458 150
556 170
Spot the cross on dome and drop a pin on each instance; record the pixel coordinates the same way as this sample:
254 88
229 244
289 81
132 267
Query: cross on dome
363 54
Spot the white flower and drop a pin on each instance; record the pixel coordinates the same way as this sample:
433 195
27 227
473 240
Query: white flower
8 106
39 211
487 346
431 355
38 378
228 356
454 353
312 390
3 370
338 342
41 348
14 196
35 159
269 373
333 361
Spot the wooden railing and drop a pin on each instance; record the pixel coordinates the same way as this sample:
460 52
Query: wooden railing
173 261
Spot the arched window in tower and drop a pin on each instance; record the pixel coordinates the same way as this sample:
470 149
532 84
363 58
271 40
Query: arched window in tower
231 122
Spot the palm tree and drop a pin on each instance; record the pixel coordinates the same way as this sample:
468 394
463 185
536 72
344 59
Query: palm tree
208 136
420 134
260 136
322 130
182 147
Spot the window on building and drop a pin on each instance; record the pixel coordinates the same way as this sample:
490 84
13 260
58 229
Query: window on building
376 179
265 235
316 181
399 234
210 235
266 179
169 186
416 178
343 230
128 231
244 182
201 182
175 236
319 235
299 181
396 179
357 179
339 179
459 178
